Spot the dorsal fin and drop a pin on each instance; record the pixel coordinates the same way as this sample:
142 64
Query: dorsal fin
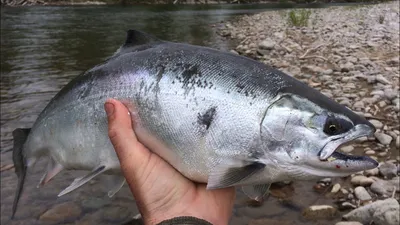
136 41
136 38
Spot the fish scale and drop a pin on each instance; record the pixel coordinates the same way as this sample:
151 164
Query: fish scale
216 117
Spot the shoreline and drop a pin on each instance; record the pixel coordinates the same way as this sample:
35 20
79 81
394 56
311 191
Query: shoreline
350 54
288 3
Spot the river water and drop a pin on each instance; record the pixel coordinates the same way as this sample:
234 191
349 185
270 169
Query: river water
43 48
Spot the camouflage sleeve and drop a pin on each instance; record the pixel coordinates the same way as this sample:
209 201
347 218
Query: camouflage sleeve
185 220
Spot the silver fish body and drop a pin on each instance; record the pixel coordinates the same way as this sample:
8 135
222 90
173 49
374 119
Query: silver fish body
218 118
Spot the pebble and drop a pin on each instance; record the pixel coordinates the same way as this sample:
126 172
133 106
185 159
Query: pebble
347 206
335 188
359 105
350 196
316 212
391 94
347 149
383 138
371 172
270 222
382 154
346 67
383 212
382 79
327 180
62 212
344 191
370 152
388 170
356 180
377 124
348 223
362 194
267 44
366 181
398 142
385 187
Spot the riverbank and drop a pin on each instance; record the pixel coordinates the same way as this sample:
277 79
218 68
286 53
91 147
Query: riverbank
286 3
351 54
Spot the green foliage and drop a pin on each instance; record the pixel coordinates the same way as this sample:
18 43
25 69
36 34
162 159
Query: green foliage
299 17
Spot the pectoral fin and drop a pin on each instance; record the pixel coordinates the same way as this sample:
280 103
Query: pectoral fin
256 192
117 183
83 180
226 176
53 168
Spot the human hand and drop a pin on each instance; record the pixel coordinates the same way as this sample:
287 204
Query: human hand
160 191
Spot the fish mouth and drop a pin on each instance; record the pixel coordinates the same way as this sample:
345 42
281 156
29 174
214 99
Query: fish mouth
358 131
330 154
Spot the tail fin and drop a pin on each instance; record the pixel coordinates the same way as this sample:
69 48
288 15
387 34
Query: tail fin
20 135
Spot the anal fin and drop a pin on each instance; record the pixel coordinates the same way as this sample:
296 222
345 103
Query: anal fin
256 192
117 183
83 180
230 175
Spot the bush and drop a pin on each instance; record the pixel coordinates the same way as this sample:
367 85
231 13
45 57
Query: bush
299 18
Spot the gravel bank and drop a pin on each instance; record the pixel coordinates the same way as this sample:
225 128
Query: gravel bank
351 54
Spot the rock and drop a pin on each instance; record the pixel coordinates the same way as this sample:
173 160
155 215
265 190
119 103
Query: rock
388 170
382 212
383 138
390 94
380 78
95 203
347 206
328 72
359 105
362 139
347 149
366 181
116 213
371 172
362 194
385 187
350 196
344 191
398 142
348 223
327 180
316 212
356 180
270 222
267 44
346 67
370 152
335 188
377 124
387 214
62 212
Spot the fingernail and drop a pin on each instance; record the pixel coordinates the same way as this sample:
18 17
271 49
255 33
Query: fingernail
109 107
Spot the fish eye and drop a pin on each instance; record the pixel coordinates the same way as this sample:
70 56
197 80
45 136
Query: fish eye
335 126
332 128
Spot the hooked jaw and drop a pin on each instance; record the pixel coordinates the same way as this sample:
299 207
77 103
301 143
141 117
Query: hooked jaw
342 163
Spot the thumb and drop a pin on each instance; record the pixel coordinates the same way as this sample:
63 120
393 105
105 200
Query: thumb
131 153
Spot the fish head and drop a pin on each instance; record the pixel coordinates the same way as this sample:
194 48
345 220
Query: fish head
303 138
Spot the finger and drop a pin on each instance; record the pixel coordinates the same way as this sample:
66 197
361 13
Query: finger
130 152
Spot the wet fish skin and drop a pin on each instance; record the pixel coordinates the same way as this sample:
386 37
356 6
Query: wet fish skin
218 118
